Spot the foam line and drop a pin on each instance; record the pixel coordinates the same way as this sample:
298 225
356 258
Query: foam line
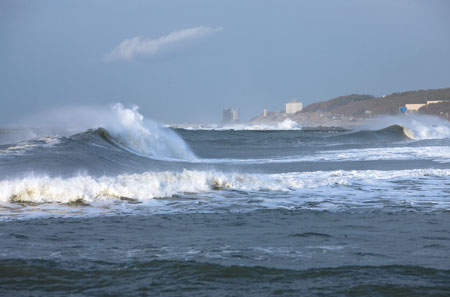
150 185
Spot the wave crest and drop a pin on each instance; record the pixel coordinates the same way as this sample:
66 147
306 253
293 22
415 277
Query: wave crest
414 126
123 126
130 131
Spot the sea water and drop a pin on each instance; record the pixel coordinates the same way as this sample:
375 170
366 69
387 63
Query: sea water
122 206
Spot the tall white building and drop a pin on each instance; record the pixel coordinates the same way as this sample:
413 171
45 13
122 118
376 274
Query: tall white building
293 106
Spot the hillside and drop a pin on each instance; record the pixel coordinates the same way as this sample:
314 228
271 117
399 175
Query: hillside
359 105
440 109
331 105
349 110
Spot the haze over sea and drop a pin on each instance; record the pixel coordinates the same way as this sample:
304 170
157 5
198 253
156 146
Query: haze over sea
127 207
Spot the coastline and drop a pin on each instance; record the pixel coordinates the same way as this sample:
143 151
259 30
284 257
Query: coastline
309 119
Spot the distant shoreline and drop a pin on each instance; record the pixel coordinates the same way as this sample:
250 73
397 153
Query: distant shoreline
309 119
353 109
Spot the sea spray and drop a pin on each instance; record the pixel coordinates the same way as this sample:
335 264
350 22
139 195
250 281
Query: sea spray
288 124
146 137
126 126
285 125
421 126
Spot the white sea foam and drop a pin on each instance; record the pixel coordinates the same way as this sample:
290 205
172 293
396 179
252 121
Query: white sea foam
435 153
439 154
150 185
286 124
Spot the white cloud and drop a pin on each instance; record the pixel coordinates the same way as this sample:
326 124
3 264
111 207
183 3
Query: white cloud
131 47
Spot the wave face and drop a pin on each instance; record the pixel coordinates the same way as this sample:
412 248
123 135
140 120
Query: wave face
387 134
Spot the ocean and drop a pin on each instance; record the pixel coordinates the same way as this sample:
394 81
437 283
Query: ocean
127 207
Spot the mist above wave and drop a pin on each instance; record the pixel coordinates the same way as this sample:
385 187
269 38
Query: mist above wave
125 126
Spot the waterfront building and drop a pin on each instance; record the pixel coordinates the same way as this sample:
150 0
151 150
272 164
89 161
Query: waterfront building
293 106
414 107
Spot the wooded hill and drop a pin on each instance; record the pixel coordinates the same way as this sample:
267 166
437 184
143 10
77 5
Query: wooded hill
360 105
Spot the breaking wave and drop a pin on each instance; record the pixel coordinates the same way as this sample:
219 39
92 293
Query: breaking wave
417 127
119 125
150 185
144 137
391 133
286 124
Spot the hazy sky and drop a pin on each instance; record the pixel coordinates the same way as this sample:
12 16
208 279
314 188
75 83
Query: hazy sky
184 61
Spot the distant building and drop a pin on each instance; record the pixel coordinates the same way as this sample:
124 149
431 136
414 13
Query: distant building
293 106
265 112
434 101
414 107
227 115
230 115
236 115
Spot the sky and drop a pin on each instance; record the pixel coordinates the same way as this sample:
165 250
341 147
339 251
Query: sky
184 61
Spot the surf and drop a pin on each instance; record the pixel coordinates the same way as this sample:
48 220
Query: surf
118 125
131 131
413 126
168 184
285 125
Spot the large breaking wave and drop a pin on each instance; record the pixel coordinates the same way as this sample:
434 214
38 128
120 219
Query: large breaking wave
148 138
124 127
